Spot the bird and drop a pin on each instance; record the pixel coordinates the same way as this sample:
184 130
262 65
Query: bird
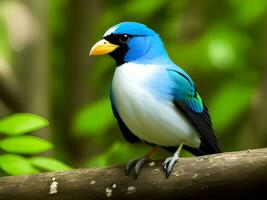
154 100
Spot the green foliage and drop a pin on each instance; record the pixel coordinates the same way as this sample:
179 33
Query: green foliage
48 164
229 103
25 144
21 123
247 13
95 118
119 152
15 164
142 8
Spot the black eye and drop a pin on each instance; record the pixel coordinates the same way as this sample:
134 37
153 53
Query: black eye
123 38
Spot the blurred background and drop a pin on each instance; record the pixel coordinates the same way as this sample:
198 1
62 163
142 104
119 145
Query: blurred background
45 69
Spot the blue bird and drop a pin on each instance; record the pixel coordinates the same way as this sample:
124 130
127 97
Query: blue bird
153 99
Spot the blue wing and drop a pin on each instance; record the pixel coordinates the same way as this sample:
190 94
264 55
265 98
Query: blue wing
187 100
127 134
184 90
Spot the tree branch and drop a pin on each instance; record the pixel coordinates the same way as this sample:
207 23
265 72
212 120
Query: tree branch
226 175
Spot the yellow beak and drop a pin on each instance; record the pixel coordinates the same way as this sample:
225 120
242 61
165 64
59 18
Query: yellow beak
102 47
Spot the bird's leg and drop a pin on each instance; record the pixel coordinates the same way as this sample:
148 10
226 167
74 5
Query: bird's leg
170 162
139 162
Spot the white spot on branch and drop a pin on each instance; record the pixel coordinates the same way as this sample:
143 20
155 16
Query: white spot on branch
114 185
151 164
92 182
108 192
53 186
177 173
232 158
195 176
131 190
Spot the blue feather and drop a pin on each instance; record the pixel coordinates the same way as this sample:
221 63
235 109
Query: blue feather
184 89
131 28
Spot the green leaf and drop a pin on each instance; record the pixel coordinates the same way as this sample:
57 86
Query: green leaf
230 101
221 52
94 119
249 12
21 123
98 161
16 165
48 164
25 144
143 9
117 153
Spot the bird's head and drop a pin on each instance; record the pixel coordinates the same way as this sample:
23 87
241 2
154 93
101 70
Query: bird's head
130 41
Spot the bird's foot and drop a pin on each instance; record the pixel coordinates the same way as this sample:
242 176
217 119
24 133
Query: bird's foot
169 164
136 165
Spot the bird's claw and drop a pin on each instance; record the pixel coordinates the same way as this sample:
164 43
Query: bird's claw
169 164
136 164
166 163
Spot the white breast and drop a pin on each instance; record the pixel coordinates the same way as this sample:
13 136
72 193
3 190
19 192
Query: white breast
151 119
